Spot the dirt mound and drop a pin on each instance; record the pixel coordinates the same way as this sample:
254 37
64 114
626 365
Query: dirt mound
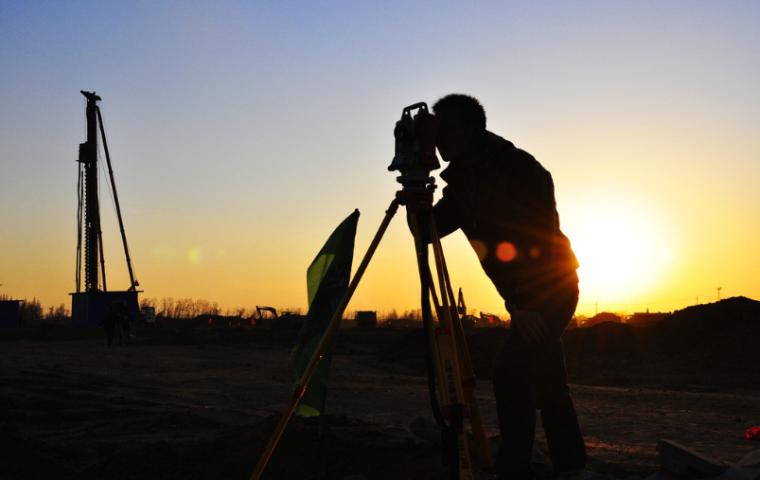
485 344
703 347
407 353
606 354
736 320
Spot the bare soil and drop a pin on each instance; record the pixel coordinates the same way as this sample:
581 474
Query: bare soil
201 404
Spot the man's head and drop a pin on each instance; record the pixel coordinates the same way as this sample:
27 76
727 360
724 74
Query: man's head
461 125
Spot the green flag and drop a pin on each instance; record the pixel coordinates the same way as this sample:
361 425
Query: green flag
326 280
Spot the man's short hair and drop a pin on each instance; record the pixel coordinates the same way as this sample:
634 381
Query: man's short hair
465 107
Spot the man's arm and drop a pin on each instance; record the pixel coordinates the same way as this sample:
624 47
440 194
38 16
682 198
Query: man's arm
448 212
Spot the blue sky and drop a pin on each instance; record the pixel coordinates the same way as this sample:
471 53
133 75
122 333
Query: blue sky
244 132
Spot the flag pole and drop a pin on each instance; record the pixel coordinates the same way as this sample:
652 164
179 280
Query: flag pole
318 354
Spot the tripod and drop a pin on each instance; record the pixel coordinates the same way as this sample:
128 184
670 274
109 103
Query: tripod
451 377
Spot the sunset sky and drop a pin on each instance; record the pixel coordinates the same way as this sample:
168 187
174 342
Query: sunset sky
242 133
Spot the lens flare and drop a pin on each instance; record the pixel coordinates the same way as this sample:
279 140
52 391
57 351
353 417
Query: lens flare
194 256
506 252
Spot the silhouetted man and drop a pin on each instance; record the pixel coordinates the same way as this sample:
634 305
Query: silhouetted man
116 322
503 200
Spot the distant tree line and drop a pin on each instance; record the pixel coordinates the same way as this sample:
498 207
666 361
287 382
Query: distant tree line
405 315
183 308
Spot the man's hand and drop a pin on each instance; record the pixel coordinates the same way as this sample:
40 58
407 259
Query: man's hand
530 325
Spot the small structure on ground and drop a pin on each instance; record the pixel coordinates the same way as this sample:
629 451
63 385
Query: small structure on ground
148 314
10 313
366 319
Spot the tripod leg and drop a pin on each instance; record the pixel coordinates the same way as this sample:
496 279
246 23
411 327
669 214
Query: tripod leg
452 391
434 368
311 367
467 371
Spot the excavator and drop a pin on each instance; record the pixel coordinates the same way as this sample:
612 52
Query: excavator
268 318
471 321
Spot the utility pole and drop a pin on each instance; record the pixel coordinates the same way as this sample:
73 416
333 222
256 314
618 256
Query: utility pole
719 289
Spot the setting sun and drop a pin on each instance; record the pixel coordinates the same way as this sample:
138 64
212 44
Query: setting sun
622 250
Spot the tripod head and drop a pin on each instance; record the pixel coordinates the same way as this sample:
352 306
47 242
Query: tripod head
415 156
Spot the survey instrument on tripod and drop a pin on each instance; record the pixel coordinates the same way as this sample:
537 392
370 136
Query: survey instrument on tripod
451 378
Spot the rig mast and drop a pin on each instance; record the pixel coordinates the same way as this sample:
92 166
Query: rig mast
91 303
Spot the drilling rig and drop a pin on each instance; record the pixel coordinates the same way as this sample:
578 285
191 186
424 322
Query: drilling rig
90 304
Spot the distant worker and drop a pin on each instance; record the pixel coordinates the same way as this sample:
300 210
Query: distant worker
503 201
126 323
109 324
116 322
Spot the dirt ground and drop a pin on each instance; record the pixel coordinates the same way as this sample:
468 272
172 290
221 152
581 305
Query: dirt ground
158 409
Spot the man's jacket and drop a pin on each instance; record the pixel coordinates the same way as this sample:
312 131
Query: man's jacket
503 200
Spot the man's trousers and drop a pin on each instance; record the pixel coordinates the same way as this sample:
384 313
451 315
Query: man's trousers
529 378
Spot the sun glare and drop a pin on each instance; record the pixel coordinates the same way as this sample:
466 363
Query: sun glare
622 251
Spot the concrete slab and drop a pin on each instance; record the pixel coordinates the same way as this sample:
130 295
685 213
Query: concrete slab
750 460
739 473
682 461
